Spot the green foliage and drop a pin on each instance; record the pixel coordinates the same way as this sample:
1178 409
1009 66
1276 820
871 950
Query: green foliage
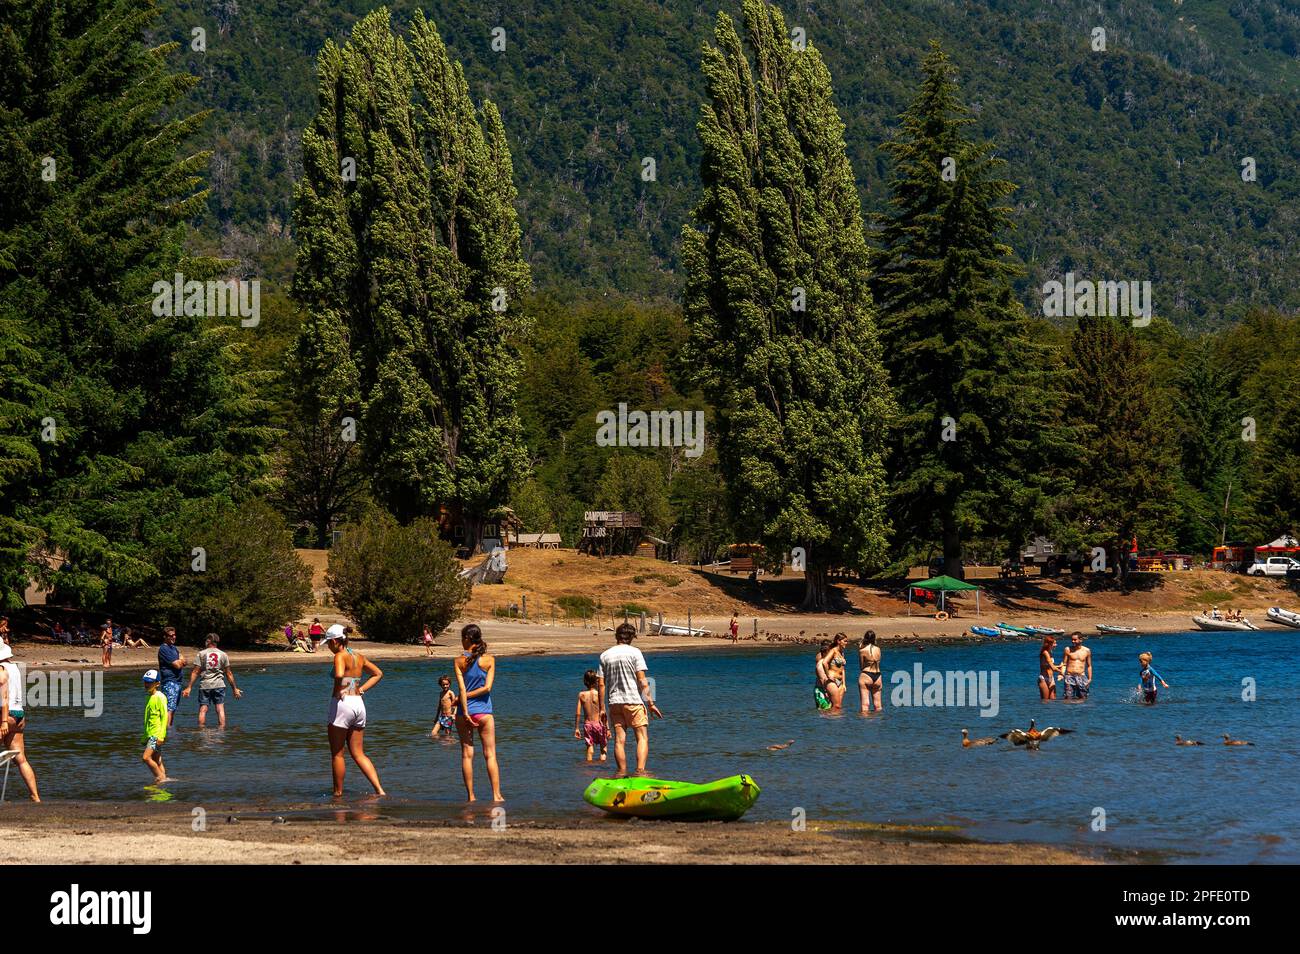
579 606
1124 465
970 453
251 582
393 579
151 415
412 272
799 388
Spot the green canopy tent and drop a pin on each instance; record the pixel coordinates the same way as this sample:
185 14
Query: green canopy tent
943 585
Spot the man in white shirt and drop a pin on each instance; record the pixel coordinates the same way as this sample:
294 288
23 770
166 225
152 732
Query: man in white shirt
625 691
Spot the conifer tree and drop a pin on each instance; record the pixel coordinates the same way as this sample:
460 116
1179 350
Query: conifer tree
782 325
146 413
977 392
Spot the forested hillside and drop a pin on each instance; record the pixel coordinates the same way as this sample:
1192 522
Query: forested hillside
1128 161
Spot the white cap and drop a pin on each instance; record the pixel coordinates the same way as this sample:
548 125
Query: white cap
336 632
150 675
5 651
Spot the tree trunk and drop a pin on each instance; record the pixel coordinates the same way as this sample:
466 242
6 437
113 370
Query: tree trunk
815 590
951 546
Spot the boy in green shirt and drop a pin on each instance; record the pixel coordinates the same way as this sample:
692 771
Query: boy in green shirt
155 726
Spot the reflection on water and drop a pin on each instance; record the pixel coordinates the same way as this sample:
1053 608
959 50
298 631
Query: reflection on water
904 766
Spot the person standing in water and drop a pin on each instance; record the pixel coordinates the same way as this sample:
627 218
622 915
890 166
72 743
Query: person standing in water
624 690
1078 668
210 667
475 673
871 682
347 714
1047 670
13 719
1148 678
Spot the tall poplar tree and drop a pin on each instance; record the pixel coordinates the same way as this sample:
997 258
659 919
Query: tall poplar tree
782 326
979 401
409 264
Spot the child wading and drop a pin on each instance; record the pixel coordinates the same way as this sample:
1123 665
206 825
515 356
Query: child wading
446 724
155 726
1148 677
590 715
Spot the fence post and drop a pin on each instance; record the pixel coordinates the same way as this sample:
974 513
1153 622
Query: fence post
524 599
642 629
756 627
688 624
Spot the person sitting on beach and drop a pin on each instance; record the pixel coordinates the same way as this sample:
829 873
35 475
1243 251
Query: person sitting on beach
1148 677
131 642
1047 670
61 634
870 681
1078 668
591 725
446 723
155 726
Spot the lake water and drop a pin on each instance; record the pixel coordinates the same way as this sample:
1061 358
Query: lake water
1165 802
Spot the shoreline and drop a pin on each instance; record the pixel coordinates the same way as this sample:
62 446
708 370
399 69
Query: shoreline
510 638
78 832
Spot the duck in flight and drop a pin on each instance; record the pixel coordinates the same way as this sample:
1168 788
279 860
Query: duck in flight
1032 737
1230 741
968 743
1179 740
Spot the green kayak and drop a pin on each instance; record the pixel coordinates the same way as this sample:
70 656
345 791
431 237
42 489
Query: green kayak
724 800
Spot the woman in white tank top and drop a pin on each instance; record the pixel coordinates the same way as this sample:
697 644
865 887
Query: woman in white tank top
15 719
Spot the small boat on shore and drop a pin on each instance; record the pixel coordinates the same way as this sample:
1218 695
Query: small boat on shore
1045 631
724 800
1018 630
1107 628
1223 625
1282 617
663 629
985 631
1016 633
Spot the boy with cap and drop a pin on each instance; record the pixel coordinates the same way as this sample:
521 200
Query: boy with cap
155 726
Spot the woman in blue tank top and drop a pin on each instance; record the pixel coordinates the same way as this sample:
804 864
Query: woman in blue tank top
475 672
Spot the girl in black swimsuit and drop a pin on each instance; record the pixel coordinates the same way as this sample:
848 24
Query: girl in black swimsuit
870 682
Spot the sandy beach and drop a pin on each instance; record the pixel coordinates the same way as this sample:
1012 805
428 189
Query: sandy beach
95 833
534 639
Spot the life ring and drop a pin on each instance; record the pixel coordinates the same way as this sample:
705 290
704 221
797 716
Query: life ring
941 615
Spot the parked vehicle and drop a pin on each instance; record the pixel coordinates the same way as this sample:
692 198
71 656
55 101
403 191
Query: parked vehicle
1275 566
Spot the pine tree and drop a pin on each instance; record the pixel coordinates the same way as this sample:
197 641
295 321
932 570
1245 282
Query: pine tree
782 325
147 412
1124 465
410 266
970 369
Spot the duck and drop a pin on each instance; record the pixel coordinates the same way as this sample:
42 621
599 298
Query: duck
1179 740
1033 737
968 743
783 745
1231 741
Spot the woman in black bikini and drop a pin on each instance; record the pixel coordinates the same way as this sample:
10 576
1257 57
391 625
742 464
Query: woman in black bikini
870 682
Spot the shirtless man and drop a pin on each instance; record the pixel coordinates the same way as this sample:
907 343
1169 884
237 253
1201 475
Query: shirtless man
1078 668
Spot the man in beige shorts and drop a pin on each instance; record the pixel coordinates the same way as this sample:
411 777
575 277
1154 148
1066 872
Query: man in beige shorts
624 687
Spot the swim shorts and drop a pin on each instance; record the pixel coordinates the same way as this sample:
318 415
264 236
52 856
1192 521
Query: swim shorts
172 690
1076 686
819 696
153 743
595 734
348 713
628 715
212 697
447 723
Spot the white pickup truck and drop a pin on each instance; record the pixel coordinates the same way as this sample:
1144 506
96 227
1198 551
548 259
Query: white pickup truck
1275 566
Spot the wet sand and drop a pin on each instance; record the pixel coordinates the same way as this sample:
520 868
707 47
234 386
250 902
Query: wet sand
95 833
535 639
